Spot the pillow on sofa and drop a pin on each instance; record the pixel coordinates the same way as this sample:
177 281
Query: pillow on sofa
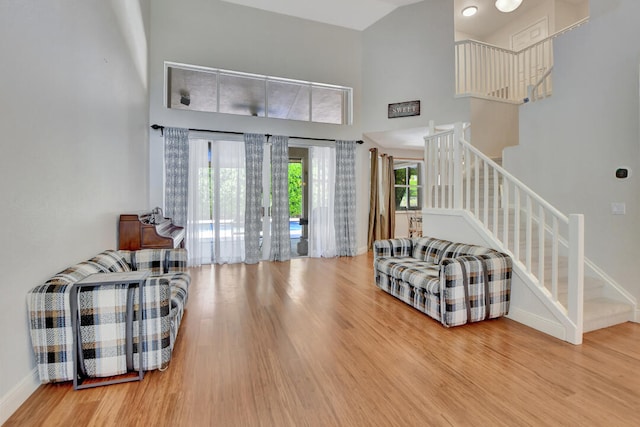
430 249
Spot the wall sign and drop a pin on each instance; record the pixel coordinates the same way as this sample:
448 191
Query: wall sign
404 109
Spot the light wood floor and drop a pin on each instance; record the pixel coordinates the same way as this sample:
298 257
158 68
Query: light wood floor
315 343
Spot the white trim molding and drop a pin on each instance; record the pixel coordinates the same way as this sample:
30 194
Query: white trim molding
11 401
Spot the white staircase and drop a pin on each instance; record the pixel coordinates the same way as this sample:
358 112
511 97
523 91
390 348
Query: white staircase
546 245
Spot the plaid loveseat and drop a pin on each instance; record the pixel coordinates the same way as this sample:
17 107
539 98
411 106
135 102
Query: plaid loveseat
103 309
454 283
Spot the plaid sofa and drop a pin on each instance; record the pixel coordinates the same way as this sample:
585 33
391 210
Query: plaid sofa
103 309
454 283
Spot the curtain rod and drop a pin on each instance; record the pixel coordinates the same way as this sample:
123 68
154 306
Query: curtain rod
161 128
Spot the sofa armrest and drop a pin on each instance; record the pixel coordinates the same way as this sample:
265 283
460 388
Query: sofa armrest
392 247
52 337
474 288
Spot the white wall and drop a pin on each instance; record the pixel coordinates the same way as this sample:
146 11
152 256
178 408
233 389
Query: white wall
74 147
568 13
494 126
408 55
222 35
572 142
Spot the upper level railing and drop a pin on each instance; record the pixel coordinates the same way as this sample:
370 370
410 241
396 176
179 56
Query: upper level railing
492 72
545 243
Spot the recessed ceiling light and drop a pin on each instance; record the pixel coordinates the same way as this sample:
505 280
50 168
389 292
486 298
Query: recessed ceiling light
507 5
469 11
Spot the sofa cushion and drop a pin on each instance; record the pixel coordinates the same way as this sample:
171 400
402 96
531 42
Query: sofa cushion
391 265
419 274
423 275
430 249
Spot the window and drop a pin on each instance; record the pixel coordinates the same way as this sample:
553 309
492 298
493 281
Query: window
408 185
190 87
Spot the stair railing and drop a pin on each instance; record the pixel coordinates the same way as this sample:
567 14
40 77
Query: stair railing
491 72
487 71
460 177
541 89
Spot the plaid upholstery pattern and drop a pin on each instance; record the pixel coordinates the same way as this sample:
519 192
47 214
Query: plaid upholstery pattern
392 247
430 249
418 274
103 316
419 298
476 287
103 334
51 333
469 284
157 261
112 260
179 294
455 250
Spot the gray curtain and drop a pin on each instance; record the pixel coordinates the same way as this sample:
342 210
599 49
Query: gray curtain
345 198
176 174
254 150
280 239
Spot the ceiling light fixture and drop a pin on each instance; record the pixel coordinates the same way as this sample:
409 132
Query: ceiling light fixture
469 11
508 5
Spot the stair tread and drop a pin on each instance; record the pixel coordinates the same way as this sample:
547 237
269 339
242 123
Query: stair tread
604 307
599 313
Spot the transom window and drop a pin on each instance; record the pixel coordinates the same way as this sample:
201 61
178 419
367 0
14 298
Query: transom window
190 87
408 185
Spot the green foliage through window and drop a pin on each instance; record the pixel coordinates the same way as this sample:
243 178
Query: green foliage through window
408 186
295 189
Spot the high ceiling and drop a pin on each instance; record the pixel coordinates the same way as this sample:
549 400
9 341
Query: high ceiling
360 14
355 14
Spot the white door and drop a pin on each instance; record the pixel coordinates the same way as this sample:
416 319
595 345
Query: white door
530 35
534 62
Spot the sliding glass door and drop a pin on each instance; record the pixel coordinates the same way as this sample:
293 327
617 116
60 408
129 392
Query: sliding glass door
215 227
216 212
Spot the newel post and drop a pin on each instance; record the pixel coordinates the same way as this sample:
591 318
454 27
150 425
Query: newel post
576 275
458 135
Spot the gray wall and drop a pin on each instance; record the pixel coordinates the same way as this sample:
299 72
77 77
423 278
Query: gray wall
222 35
408 56
74 146
572 142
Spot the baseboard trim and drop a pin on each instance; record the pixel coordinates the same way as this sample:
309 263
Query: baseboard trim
534 321
11 401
